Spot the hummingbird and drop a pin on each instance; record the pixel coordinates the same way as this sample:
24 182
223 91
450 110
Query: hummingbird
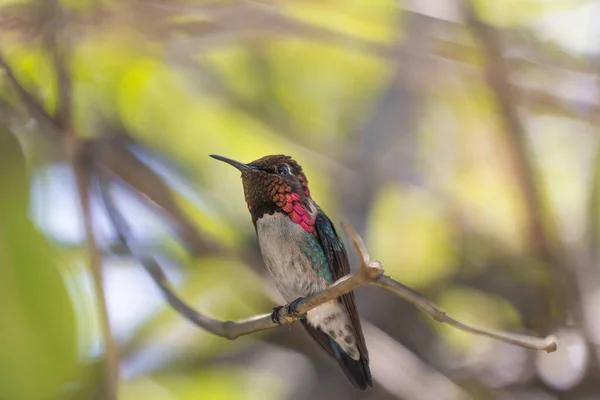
304 255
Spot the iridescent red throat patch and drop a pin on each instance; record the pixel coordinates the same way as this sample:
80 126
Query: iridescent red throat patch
292 205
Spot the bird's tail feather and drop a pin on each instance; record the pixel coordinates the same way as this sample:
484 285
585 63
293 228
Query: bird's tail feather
357 371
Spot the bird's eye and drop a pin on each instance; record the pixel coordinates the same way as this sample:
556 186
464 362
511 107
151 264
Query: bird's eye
283 169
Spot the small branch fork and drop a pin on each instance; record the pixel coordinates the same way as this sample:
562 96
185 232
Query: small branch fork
370 273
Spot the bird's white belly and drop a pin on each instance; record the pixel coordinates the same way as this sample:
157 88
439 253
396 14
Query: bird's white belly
280 242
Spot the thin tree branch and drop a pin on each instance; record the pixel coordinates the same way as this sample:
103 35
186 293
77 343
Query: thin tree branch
75 150
59 60
370 273
82 164
548 344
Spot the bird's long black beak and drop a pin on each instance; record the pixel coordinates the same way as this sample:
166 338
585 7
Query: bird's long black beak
241 166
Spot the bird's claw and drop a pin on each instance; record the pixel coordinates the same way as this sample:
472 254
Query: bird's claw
291 310
275 315
292 307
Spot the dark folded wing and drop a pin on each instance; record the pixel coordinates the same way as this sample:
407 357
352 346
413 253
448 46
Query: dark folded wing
340 266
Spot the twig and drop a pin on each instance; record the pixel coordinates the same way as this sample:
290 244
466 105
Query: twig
75 150
51 31
370 273
548 344
76 154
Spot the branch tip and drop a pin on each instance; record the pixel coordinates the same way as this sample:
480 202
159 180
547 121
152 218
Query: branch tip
359 246
374 269
551 344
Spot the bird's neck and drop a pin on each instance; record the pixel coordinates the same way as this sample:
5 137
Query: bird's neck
301 210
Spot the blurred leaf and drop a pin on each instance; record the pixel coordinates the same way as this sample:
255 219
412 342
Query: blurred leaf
186 126
38 342
410 234
474 164
318 95
211 225
234 64
97 70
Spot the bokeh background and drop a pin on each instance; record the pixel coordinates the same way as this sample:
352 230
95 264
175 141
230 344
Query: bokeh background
459 138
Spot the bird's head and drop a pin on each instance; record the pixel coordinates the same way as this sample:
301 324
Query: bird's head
273 183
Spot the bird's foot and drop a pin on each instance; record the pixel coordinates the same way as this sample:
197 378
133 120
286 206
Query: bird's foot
291 310
292 307
275 315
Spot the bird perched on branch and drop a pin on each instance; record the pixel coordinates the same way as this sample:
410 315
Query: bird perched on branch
304 255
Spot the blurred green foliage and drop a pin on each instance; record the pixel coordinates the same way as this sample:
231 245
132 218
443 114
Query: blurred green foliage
38 335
